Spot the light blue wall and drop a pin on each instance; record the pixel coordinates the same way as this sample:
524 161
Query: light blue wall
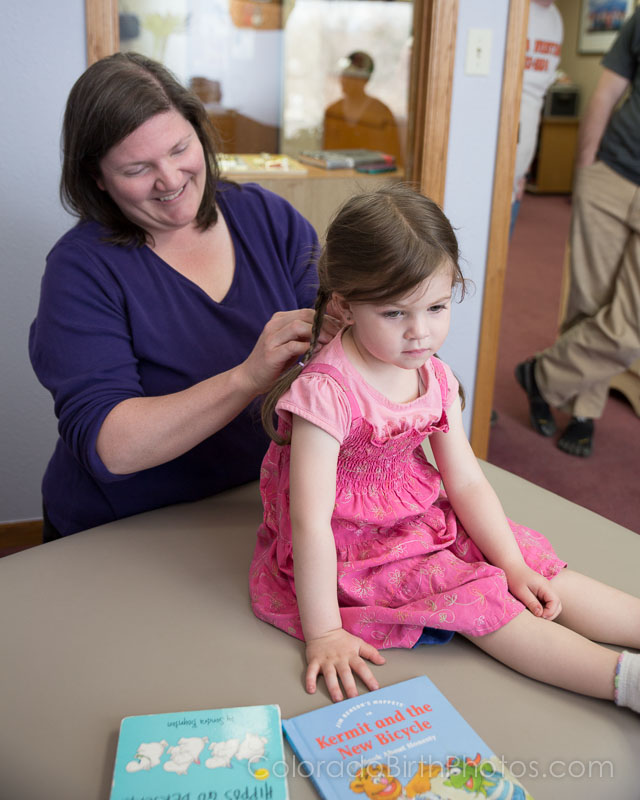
42 51
473 134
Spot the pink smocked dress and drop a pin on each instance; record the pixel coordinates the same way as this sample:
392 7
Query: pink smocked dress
405 564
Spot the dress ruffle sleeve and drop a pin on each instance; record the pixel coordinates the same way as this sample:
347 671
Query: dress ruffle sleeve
452 386
319 399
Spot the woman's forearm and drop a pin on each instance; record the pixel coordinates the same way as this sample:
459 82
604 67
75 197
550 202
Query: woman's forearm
143 432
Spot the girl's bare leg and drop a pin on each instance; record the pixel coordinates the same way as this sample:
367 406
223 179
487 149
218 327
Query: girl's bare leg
553 654
598 611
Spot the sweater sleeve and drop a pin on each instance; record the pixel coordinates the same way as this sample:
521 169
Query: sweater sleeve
304 251
81 350
295 240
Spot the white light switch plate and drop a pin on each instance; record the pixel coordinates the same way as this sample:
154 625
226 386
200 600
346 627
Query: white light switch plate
478 51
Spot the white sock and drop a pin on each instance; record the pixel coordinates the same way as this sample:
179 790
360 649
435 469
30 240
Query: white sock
627 681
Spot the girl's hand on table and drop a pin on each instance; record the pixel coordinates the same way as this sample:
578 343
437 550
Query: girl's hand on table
535 591
338 656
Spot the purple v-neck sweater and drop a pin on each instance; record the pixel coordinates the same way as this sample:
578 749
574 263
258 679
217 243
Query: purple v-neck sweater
117 322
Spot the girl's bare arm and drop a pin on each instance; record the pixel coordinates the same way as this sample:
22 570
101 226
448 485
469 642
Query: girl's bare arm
331 651
477 507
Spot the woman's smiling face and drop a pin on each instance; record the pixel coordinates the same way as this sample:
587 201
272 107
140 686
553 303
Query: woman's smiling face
157 174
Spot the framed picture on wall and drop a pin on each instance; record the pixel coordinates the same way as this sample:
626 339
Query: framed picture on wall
600 22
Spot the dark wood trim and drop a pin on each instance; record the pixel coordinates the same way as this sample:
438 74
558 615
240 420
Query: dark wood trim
413 161
103 34
499 228
21 534
435 24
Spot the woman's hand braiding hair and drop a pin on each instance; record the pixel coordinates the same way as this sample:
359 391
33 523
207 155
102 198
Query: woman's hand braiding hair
288 376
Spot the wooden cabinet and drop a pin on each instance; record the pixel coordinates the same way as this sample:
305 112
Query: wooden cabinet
318 193
552 169
241 134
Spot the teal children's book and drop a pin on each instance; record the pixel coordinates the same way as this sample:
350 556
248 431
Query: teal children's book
403 741
214 754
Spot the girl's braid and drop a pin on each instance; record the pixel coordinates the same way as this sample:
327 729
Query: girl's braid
287 378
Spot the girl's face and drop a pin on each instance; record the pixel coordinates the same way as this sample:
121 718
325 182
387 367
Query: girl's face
406 332
156 175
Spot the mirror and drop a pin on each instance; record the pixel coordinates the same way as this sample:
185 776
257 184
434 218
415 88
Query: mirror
285 76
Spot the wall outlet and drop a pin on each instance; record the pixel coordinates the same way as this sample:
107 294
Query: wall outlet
478 51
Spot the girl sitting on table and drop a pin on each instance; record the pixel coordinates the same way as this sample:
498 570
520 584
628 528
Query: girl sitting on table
360 549
175 301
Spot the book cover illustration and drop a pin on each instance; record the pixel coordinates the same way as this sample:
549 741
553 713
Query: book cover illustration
214 754
403 741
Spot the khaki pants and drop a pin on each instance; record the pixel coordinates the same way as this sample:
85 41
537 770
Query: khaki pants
601 333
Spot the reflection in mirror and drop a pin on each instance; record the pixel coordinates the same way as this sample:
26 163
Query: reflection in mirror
229 57
359 120
346 75
268 71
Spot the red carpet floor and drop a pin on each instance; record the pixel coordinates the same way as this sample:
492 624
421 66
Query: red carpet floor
609 481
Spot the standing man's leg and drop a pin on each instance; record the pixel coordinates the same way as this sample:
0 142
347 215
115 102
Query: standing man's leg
601 330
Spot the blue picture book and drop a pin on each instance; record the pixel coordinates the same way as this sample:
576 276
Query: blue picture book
403 741
217 753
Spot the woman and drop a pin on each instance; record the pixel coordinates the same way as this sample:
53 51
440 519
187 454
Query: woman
173 303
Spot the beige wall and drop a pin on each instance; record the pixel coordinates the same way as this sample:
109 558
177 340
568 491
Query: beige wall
584 70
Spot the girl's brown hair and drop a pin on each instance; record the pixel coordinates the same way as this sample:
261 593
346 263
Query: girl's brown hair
109 101
379 246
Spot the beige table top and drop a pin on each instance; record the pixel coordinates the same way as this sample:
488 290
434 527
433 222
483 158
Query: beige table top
318 193
151 614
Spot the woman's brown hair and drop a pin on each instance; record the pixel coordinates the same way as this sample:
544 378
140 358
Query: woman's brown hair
379 246
109 101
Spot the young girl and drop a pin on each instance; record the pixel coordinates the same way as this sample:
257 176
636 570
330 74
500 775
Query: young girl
359 548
